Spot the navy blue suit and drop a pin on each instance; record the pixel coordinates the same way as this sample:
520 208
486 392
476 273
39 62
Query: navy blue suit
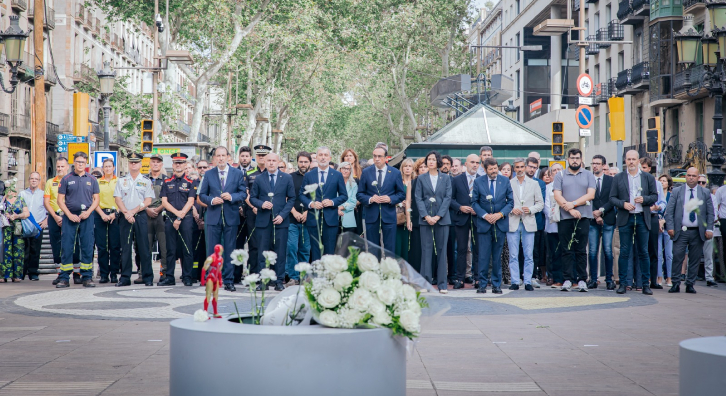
491 237
463 226
219 229
282 203
381 217
334 190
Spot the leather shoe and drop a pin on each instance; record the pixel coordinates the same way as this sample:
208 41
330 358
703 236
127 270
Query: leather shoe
621 289
88 283
149 283
655 286
34 277
690 289
469 280
476 285
62 284
458 285
230 287
104 280
610 285
56 280
676 288
514 287
647 291
709 283
496 290
482 290
114 278
168 281
123 282
279 287
188 283
139 281
592 285
528 287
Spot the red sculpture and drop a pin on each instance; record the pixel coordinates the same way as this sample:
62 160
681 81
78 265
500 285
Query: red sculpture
212 278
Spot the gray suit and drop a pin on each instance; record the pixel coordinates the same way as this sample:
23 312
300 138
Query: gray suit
691 238
440 230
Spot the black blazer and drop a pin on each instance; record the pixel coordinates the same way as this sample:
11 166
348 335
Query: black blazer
414 207
283 199
460 197
620 193
602 200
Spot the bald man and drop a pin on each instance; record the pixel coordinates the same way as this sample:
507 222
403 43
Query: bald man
688 229
633 192
463 212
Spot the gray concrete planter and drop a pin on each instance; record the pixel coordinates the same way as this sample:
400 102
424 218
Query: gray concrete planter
219 357
702 362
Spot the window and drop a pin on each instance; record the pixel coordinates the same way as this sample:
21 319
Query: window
608 70
596 130
596 77
587 27
699 121
676 128
639 117
608 13
597 21
621 61
516 7
518 84
607 127
638 47
516 43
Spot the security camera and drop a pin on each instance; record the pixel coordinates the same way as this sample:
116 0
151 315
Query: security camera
161 28
159 22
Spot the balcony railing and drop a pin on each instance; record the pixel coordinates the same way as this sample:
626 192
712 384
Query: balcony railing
612 88
592 48
51 131
4 124
696 73
50 77
20 5
80 13
624 9
640 74
20 125
202 138
616 31
688 4
184 127
603 35
623 80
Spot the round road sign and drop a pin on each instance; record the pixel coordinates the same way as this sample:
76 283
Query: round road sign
583 116
584 84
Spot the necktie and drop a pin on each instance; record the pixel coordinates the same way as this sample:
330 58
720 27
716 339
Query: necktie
380 178
692 215
322 177
491 186
471 183
222 179
272 182
598 185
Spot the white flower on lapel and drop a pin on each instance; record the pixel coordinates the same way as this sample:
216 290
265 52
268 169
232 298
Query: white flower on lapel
432 199
684 228
693 205
489 197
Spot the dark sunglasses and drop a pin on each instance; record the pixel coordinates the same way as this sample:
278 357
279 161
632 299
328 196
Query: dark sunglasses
202 167
702 182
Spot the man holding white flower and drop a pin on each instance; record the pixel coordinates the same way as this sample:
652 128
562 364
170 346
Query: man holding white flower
464 218
689 221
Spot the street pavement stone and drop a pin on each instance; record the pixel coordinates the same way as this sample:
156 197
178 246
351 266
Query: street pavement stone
115 341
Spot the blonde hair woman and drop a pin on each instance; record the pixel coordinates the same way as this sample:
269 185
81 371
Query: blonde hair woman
403 230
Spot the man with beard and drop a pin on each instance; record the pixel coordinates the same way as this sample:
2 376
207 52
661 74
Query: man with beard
298 240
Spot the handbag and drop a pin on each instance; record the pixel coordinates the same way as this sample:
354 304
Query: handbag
31 229
554 211
400 214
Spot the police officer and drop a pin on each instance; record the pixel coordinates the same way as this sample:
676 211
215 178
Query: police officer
156 227
78 197
133 194
106 228
261 152
177 198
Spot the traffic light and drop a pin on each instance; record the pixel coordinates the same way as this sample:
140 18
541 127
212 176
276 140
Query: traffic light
617 118
81 126
652 136
558 138
147 136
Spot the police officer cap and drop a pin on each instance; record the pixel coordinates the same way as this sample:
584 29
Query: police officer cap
135 157
157 156
261 149
179 157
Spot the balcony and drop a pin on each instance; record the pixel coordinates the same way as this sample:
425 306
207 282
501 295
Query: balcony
4 124
96 27
84 73
51 132
693 6
640 76
592 48
115 42
633 12
616 31
202 138
80 14
184 127
622 82
19 5
602 92
50 77
20 125
48 19
641 8
603 35
26 70
88 20
681 90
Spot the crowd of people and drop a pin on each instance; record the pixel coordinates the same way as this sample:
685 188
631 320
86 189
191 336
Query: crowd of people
464 221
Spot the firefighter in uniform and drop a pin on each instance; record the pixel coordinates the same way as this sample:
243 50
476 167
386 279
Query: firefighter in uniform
50 201
155 223
177 198
78 197
261 152
106 229
133 193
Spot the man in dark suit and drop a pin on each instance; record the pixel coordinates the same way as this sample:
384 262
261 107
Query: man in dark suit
493 200
273 212
688 229
464 218
603 226
223 190
329 194
633 192
379 191
646 165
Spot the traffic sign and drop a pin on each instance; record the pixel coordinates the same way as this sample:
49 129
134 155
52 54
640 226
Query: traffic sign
585 101
71 139
583 116
100 156
585 132
584 84
73 148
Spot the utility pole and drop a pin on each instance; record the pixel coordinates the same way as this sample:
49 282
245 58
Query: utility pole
582 44
38 133
155 74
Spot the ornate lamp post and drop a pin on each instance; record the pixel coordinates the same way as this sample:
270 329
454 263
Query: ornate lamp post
106 77
13 40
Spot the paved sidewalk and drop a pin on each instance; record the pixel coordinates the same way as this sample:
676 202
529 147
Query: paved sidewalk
114 341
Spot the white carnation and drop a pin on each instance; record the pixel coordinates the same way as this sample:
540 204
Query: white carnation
692 205
342 281
390 267
410 321
83 207
267 274
328 318
303 267
201 315
311 188
489 197
408 292
374 183
251 279
329 298
334 263
369 280
432 199
270 256
386 295
367 262
270 194
382 319
360 299
239 257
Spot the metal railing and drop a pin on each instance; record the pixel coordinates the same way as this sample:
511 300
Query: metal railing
80 13
603 35
603 92
87 73
51 130
592 48
623 80
624 9
50 76
612 87
690 3
4 124
616 31
20 124
19 4
640 73
202 138
638 4
696 73
184 127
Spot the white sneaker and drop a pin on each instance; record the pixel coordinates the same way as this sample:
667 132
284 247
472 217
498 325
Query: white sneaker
566 286
444 291
535 283
582 286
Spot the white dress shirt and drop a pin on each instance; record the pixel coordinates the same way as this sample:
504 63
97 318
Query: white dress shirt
434 180
383 175
686 222
225 176
320 174
34 201
634 184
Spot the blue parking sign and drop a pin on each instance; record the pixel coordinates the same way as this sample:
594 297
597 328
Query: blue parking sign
100 156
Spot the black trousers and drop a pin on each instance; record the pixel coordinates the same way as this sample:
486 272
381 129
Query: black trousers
273 241
555 264
574 255
54 234
653 248
140 231
452 253
251 238
200 252
179 245
414 250
462 245
539 255
243 234
32 255
108 243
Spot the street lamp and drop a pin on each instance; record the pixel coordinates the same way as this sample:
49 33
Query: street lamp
13 40
106 77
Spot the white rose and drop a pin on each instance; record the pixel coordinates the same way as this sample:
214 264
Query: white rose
410 321
201 315
432 199
386 295
270 256
83 207
350 317
267 274
329 298
367 262
382 319
408 292
414 306
369 280
394 284
303 267
374 183
328 318
270 194
360 299
376 307
342 281
334 263
390 267
692 205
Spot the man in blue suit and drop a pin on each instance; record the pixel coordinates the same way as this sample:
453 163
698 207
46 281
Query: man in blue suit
273 212
223 190
379 191
328 198
492 224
